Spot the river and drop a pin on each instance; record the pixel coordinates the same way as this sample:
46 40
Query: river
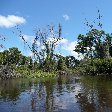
62 94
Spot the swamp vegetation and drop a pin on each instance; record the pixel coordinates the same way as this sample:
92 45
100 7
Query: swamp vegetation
48 81
95 48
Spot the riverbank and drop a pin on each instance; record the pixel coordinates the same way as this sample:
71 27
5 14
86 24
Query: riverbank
92 67
7 73
96 66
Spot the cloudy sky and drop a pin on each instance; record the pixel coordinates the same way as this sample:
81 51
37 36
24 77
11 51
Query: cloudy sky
71 14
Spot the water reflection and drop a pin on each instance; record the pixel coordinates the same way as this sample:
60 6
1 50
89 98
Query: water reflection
62 94
96 95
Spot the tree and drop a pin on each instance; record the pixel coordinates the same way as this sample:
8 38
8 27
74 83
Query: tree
5 59
14 55
95 43
1 58
61 63
11 56
44 46
71 61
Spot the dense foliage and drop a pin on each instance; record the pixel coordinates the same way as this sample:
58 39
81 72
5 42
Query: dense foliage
96 48
96 66
12 59
95 44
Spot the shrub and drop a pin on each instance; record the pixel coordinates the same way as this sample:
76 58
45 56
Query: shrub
97 66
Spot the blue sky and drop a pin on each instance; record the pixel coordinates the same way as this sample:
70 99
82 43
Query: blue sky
70 14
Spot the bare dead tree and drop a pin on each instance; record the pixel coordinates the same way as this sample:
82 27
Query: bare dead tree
44 43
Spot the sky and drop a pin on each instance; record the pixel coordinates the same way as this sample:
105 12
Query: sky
31 14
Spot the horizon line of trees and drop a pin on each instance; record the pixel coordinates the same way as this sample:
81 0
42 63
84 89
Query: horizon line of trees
96 43
14 58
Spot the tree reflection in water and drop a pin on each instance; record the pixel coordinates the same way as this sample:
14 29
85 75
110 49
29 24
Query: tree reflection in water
96 95
62 94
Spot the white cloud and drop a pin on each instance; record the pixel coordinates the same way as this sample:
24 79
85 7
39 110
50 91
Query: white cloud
11 21
71 46
68 47
63 41
65 46
27 37
31 54
38 43
42 47
66 17
1 50
32 41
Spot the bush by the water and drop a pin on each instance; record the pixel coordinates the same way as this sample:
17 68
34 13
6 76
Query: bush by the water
27 73
96 66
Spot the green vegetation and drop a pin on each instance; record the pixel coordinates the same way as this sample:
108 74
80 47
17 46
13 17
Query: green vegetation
14 61
96 66
95 44
95 47
44 63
